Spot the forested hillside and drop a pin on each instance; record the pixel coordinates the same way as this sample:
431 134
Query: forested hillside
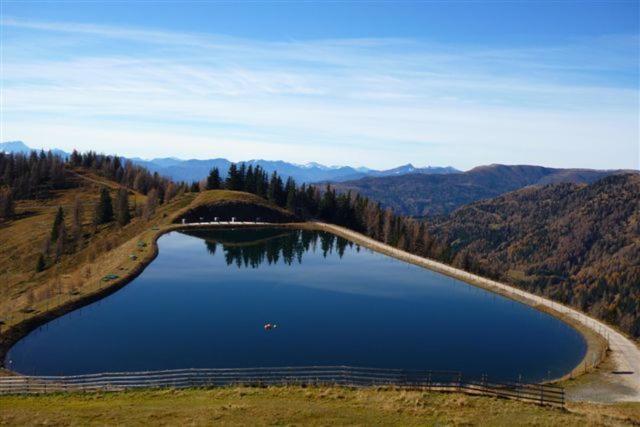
430 195
35 175
579 244
55 210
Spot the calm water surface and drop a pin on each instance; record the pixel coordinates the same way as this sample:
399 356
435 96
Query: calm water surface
204 301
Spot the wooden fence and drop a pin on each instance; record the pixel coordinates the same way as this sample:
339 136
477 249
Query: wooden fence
448 381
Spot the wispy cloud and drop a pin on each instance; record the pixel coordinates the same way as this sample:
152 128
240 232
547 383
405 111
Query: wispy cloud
378 102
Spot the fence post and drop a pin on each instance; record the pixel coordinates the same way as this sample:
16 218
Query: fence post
519 387
451 381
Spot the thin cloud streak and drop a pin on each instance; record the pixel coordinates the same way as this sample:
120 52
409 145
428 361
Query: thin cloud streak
371 101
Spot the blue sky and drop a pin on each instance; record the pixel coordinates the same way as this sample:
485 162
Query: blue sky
359 83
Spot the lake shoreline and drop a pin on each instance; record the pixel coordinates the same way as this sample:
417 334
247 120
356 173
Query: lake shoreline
596 345
605 342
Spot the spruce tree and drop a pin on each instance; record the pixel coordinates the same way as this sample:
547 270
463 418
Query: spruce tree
327 206
242 176
250 181
55 229
272 191
213 180
233 178
104 208
122 208
6 203
291 195
261 184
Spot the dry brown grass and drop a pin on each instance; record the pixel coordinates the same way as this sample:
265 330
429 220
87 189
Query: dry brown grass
101 251
626 412
107 250
216 196
291 405
212 197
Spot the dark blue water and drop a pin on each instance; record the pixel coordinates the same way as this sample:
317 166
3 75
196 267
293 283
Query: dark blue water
204 302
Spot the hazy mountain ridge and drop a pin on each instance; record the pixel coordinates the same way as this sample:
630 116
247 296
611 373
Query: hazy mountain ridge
21 147
431 195
194 169
198 169
578 243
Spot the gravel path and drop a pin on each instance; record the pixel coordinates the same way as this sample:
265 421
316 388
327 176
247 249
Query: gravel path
619 384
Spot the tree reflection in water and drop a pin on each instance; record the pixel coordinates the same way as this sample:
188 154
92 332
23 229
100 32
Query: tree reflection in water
270 245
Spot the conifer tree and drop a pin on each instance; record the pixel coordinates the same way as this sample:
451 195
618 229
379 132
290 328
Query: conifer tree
250 181
291 200
261 184
122 207
104 208
233 181
291 195
275 191
6 203
40 264
327 206
55 228
242 176
213 180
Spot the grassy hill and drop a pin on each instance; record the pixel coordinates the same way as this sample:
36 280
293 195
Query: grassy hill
431 195
79 272
225 204
105 257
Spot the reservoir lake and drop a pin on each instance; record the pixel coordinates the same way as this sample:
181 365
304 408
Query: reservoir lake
205 300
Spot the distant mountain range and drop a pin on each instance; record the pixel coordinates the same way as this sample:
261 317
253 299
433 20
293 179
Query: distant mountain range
431 195
195 169
21 147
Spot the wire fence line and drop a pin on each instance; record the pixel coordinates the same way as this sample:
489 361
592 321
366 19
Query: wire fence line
446 381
